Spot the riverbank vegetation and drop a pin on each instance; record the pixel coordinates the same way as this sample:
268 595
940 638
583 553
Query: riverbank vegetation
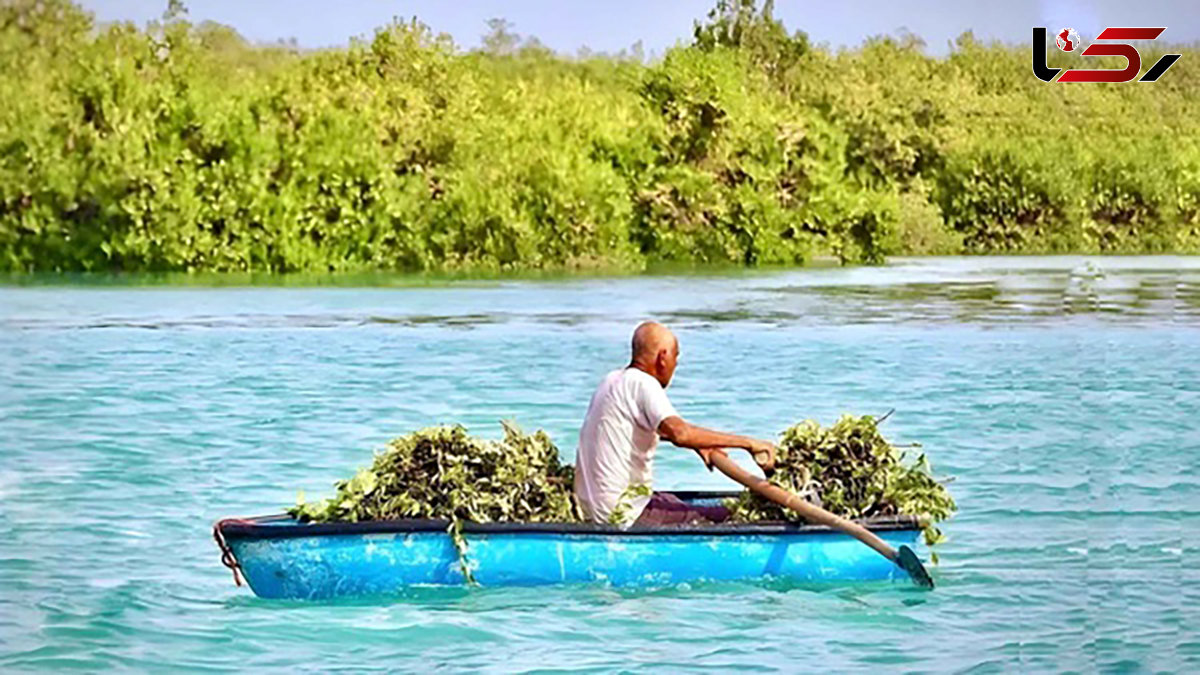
181 147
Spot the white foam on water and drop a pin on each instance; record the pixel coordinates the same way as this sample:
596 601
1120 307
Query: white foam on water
9 480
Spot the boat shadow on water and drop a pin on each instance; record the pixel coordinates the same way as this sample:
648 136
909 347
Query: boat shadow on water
866 594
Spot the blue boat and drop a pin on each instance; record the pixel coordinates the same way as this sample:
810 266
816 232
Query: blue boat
283 558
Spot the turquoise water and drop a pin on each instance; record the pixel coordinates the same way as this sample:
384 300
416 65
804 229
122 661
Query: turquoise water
1062 394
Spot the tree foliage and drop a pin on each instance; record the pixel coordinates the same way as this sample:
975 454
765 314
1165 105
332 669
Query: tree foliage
180 146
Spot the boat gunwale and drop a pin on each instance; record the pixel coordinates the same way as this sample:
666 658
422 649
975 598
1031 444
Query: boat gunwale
270 527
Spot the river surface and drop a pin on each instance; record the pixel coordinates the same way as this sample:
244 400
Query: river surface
1063 394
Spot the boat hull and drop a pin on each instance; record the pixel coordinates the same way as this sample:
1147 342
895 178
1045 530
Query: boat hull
365 564
281 558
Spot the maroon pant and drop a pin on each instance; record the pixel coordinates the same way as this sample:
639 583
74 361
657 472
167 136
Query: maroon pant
667 509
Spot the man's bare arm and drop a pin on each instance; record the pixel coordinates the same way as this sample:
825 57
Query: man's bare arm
687 435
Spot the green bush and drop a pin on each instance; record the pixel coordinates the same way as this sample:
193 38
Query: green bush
180 147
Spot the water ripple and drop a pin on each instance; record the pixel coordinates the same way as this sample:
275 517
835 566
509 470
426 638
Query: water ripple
1060 392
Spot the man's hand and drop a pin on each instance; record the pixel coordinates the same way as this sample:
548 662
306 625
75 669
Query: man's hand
762 451
764 455
706 456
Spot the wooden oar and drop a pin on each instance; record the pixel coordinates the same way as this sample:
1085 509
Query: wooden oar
904 558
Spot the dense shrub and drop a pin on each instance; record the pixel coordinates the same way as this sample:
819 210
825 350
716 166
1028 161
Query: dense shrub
181 147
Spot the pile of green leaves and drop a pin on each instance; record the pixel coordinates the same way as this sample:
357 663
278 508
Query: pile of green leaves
444 473
850 469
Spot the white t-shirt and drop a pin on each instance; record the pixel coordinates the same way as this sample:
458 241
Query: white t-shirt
616 445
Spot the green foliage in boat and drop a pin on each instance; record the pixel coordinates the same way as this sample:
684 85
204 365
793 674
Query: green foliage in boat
850 469
442 472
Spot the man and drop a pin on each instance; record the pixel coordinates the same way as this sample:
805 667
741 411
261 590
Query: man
614 465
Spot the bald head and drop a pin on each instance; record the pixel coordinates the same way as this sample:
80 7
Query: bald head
655 350
649 338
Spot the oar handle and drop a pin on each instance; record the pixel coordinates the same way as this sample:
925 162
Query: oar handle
789 500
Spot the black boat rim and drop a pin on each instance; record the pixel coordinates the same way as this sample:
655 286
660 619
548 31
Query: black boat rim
282 526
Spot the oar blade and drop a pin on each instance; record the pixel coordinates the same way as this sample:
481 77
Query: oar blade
909 562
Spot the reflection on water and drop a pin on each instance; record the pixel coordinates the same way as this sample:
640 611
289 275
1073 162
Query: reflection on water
920 290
